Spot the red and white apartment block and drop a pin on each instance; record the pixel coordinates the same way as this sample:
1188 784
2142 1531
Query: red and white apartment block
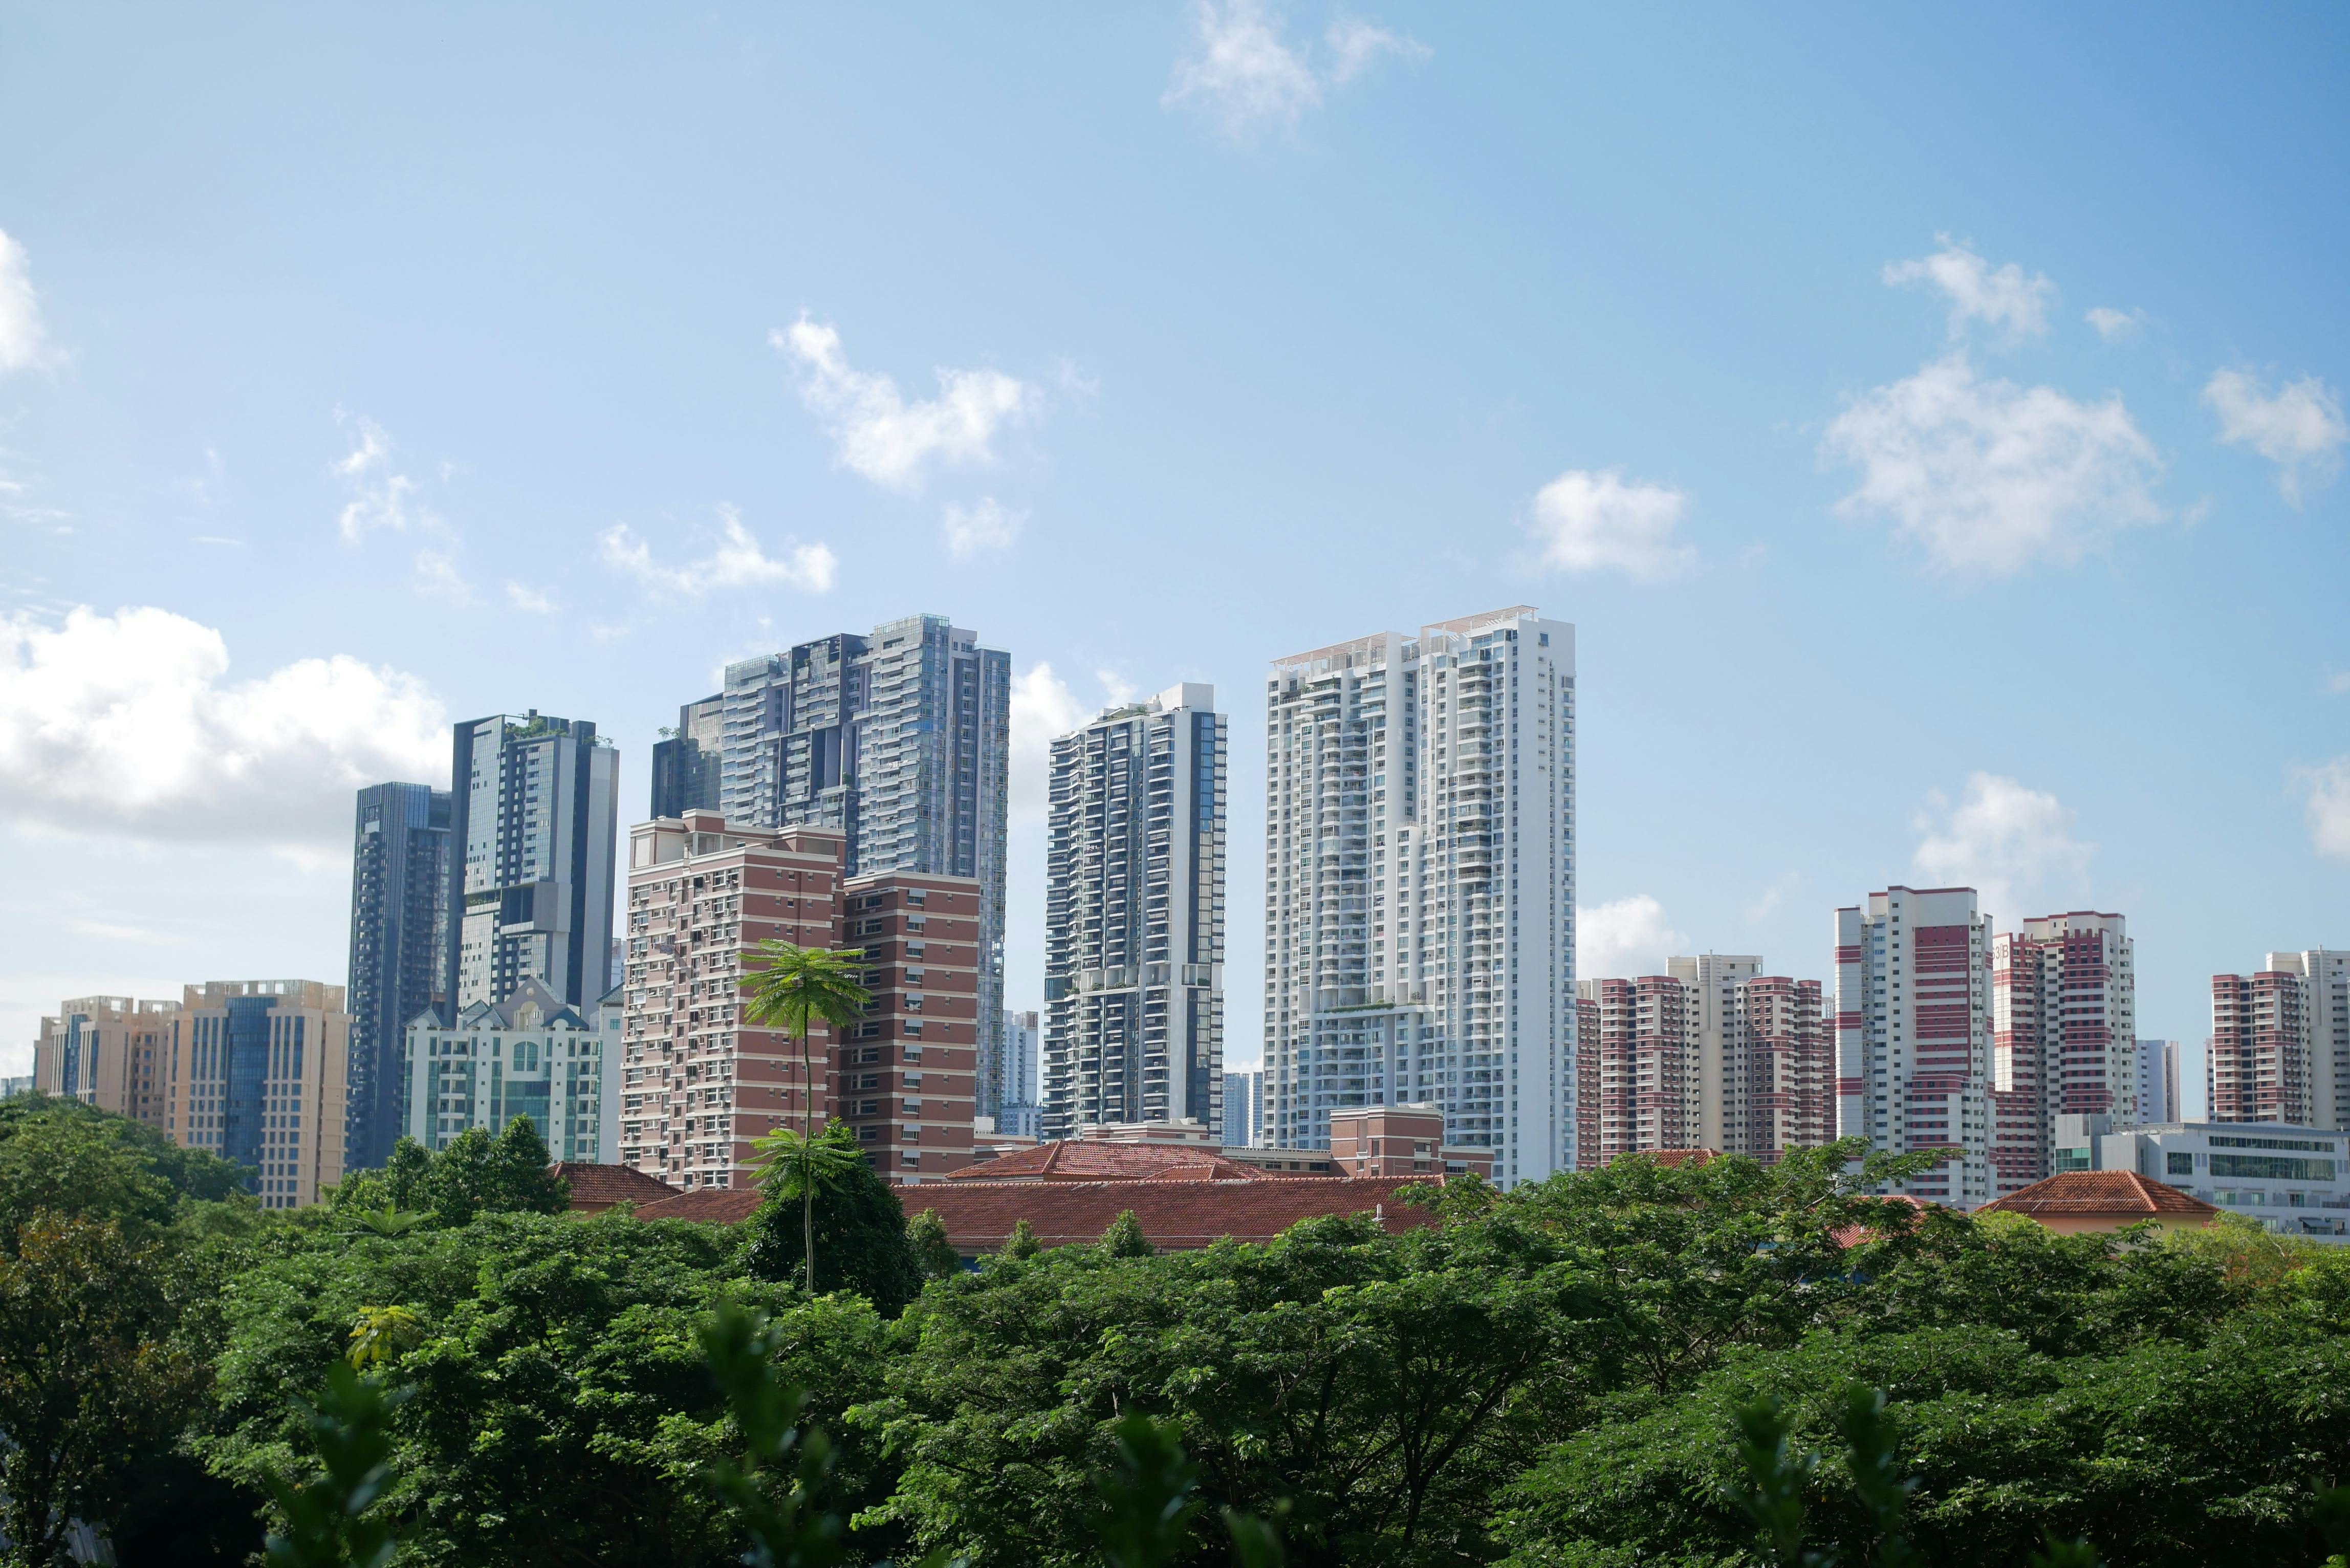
1914 1034
2064 1037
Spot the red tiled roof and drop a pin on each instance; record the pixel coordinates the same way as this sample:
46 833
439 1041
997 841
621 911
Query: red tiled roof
1092 1160
2097 1194
1175 1213
601 1186
724 1205
1852 1235
1684 1156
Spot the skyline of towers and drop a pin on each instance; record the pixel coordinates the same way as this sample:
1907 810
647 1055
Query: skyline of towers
901 741
1134 915
1914 1034
1420 885
398 949
533 827
2280 1043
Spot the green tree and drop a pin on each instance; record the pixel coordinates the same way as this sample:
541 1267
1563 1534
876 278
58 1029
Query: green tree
90 1382
795 988
479 1174
856 1224
934 1254
1022 1241
797 1167
1123 1238
331 1520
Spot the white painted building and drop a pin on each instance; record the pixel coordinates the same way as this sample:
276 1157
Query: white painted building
1914 1034
1419 885
532 1055
1134 916
2294 1179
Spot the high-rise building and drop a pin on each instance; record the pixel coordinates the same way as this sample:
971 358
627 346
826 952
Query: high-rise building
1134 916
1713 1053
898 739
1013 1086
111 1052
699 1081
2064 1037
904 1075
1419 885
400 945
1914 1034
2157 1082
1243 1111
686 760
533 1054
2280 1045
532 827
255 1072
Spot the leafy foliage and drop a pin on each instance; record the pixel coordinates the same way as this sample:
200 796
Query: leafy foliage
478 1173
330 1521
859 1229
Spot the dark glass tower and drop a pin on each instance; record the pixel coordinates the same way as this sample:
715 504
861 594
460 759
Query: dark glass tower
399 930
686 762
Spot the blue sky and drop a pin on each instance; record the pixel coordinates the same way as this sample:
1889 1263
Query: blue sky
362 369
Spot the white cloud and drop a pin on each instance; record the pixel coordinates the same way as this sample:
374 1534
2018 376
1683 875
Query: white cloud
1246 79
1355 44
2338 682
1763 907
2001 840
1977 292
2328 787
738 562
1044 709
1585 522
2300 429
379 498
1988 477
536 601
437 577
1623 940
2115 325
127 724
882 435
977 530
23 340
108 932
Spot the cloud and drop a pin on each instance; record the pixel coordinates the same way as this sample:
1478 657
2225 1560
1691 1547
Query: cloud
1763 907
379 498
437 577
1624 939
1585 522
128 724
2002 840
882 435
2300 429
1243 77
536 601
2328 788
106 931
2003 298
2115 325
1044 709
978 530
2338 682
1988 477
23 342
738 562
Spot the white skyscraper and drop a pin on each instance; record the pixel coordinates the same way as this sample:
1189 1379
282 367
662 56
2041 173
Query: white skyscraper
1134 916
1914 1034
1419 885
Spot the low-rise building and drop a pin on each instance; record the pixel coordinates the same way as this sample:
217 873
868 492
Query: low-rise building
1400 1141
2072 1201
2294 1179
533 1055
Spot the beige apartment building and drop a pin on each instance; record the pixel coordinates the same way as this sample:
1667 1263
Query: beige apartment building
107 1052
256 1072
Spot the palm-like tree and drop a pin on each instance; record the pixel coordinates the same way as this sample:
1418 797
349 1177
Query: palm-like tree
793 988
793 1165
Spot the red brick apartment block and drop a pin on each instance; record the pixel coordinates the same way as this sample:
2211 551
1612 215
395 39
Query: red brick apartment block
908 1072
700 1082
1399 1140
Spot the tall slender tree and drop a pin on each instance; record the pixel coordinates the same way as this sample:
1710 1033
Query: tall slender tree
793 988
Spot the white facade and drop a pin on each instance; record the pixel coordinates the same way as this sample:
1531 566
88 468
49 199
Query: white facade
1419 885
1244 1110
1012 1085
1134 916
1914 1034
2294 1181
532 1055
2157 1081
2325 1028
1715 983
